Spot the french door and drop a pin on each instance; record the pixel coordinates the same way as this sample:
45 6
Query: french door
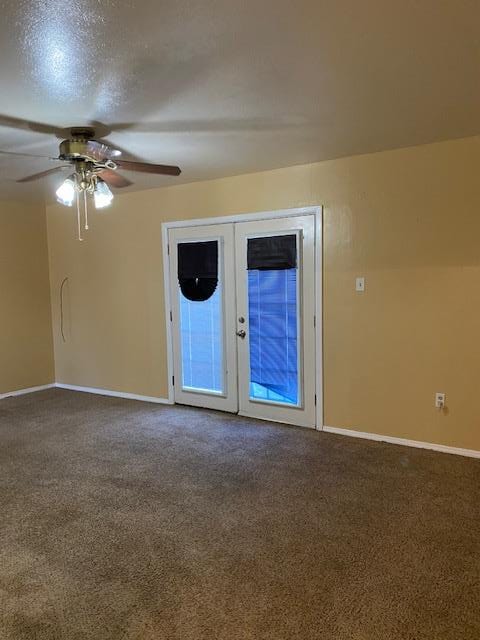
243 317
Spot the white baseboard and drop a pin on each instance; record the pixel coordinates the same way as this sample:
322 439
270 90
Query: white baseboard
22 392
443 448
113 394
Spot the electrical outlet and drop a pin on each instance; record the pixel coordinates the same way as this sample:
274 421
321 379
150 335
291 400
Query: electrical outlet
439 400
360 285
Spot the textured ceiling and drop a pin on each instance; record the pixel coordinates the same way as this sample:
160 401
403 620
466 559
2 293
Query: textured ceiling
225 87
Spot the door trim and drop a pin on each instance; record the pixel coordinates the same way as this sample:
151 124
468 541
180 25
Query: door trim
317 211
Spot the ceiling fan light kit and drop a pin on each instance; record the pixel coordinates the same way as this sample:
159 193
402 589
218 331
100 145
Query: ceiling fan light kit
95 166
76 187
102 195
66 192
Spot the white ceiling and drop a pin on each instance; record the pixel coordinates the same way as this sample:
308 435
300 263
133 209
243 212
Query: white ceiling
222 87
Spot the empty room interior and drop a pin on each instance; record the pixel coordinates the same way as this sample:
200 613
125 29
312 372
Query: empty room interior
240 319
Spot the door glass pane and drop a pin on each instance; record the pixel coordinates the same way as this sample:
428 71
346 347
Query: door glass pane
201 339
272 307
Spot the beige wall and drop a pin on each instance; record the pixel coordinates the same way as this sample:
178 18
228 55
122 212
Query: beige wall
407 220
26 350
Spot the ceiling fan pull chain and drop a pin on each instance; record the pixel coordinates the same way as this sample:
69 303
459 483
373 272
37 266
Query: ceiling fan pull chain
79 223
85 207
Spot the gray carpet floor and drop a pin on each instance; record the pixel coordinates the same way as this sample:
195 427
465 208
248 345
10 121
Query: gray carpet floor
128 521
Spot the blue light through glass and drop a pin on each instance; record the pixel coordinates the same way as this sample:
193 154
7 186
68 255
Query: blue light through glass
272 307
202 343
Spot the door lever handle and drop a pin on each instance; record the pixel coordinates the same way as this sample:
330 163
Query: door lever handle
241 334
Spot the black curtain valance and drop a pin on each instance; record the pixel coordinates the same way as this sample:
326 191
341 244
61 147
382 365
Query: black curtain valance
272 252
198 259
198 269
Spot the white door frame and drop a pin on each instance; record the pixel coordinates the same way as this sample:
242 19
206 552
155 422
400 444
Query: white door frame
317 211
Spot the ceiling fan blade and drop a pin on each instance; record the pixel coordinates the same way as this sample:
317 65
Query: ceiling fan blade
101 151
26 155
217 125
42 174
145 167
123 151
28 125
114 179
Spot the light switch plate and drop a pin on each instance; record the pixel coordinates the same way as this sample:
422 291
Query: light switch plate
360 284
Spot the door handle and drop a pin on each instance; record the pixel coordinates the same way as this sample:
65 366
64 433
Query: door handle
241 334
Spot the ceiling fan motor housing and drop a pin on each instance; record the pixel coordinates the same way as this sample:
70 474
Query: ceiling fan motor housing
73 149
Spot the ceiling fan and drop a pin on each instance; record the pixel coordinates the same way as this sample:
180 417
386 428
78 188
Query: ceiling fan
95 164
